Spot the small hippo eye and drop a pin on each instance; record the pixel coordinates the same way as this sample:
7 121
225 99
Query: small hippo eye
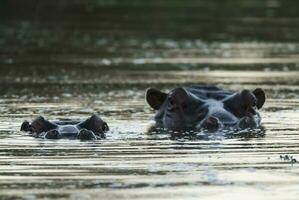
105 127
171 101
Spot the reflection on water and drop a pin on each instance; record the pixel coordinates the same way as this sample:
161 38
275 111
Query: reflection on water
131 164
103 62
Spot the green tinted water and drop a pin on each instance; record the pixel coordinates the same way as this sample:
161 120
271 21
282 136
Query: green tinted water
66 69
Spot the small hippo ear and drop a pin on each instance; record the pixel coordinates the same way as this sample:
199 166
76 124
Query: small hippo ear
155 98
260 96
25 126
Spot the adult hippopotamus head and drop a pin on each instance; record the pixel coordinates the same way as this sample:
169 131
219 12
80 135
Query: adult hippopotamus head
205 107
91 128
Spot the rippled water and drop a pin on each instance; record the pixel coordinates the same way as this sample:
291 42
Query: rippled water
60 77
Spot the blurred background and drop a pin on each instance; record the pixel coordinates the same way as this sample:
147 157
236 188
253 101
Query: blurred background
267 20
117 35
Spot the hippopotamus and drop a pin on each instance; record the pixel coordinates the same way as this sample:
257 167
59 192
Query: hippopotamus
92 128
206 108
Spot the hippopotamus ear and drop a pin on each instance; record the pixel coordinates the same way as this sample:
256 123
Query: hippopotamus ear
25 126
95 124
260 97
155 98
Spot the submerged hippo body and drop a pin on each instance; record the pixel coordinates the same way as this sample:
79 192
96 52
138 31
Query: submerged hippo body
92 128
205 107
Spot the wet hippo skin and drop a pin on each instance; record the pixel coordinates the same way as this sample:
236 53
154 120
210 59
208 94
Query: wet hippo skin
92 128
206 107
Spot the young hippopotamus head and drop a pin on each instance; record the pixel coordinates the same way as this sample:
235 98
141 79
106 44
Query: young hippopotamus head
205 107
92 128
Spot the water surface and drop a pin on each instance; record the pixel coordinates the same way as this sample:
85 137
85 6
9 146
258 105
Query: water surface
76 69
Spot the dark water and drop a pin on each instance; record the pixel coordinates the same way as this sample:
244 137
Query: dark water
100 58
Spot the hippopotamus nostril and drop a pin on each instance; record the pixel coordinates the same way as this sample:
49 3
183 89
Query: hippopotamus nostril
211 124
85 134
247 122
53 134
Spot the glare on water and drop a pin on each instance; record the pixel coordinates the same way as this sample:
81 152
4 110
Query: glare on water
57 76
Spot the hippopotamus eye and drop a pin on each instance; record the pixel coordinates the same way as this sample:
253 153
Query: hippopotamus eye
105 127
171 101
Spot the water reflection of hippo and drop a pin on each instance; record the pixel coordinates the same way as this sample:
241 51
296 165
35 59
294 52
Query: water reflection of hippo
206 107
92 128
